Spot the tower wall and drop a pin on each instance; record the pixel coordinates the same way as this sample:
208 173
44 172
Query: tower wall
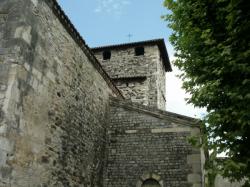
161 83
140 78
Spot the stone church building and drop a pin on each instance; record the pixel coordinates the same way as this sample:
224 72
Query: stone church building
74 116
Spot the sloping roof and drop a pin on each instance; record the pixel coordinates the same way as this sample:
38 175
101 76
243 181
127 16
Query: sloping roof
185 120
159 42
69 27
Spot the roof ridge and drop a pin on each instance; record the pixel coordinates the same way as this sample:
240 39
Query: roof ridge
159 42
129 43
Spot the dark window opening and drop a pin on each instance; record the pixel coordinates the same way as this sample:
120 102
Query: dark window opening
58 94
139 51
150 183
106 55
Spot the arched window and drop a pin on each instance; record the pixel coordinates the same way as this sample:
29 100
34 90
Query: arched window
151 183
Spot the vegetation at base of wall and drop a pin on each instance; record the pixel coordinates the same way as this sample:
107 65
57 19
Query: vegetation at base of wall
211 40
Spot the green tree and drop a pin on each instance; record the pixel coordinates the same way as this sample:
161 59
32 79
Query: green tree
211 40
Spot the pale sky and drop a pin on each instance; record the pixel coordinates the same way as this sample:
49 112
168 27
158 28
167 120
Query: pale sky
105 22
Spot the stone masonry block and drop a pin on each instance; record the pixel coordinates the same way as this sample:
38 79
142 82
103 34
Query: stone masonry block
194 178
194 159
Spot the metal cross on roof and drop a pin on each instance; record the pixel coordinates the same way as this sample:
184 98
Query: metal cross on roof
129 37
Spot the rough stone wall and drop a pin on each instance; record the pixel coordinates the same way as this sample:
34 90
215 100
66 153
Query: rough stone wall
124 64
161 83
224 182
145 143
53 101
135 89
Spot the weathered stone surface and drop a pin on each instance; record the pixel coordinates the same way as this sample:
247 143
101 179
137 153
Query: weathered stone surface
141 79
58 126
224 182
147 143
53 102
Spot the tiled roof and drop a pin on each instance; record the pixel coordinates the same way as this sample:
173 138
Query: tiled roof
159 42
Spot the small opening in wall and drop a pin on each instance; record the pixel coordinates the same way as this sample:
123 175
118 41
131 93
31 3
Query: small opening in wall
106 55
151 183
59 94
127 84
77 98
139 51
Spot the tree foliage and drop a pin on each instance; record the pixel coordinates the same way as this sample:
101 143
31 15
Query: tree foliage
211 40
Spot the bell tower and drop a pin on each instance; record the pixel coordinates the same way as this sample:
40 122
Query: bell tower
138 70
